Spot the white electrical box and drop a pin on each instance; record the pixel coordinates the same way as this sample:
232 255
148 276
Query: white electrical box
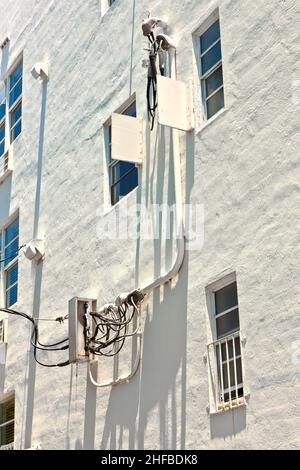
174 104
77 309
126 138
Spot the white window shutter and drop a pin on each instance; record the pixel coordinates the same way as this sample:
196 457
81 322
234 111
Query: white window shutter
174 104
126 138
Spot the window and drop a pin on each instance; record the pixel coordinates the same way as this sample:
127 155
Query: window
211 70
9 249
123 176
7 422
110 2
224 353
11 109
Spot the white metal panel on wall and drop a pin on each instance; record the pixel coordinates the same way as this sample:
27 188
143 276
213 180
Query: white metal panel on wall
126 138
174 104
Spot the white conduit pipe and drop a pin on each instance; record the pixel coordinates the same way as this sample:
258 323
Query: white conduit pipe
125 378
178 201
173 271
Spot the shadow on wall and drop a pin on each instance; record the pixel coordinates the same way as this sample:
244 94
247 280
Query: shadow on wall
37 273
228 424
156 398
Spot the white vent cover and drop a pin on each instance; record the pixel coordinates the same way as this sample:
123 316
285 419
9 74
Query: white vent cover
126 138
174 104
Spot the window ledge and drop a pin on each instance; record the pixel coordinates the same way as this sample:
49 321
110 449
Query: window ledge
5 175
211 120
229 408
7 446
108 209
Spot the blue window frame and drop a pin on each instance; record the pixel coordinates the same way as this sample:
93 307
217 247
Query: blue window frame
9 249
123 176
11 110
15 101
211 70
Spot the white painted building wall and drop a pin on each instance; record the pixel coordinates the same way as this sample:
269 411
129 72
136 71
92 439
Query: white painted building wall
242 165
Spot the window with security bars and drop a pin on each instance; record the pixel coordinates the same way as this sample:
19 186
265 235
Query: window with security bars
225 356
9 250
7 422
211 70
123 176
11 108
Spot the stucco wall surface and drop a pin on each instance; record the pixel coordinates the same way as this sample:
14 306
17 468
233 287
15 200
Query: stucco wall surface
243 166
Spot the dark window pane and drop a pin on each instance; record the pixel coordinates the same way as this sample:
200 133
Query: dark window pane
2 110
7 434
120 169
226 298
12 276
228 323
230 348
214 81
210 36
15 93
16 131
12 231
127 184
2 132
239 372
131 110
11 252
215 103
15 114
233 394
12 296
15 76
1 150
211 58
225 376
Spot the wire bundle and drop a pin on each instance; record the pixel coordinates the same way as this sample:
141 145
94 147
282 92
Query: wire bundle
34 340
112 327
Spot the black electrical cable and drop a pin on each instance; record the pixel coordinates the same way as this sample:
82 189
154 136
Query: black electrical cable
111 328
12 256
34 340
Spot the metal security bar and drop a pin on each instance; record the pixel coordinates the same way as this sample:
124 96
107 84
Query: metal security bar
225 368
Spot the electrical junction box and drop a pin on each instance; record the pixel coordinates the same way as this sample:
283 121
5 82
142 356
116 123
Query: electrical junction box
174 104
77 309
126 138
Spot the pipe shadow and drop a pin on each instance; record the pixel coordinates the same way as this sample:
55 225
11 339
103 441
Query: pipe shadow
38 272
156 397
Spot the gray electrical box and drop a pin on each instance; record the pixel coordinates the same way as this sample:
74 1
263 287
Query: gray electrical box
77 352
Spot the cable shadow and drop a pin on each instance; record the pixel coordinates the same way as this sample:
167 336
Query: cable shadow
32 364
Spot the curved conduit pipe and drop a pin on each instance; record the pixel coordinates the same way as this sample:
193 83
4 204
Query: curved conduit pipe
175 268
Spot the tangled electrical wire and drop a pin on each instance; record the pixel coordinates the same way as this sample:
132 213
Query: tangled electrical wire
34 340
111 325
